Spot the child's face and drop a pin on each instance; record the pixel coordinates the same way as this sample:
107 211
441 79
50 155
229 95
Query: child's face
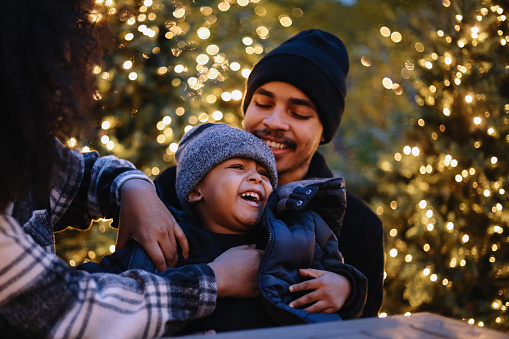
232 196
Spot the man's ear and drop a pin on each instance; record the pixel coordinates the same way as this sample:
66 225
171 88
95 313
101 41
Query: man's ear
194 196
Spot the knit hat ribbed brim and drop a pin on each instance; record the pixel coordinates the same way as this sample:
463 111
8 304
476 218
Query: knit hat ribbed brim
314 61
206 146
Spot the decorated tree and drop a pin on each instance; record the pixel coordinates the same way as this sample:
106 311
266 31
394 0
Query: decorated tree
443 192
173 65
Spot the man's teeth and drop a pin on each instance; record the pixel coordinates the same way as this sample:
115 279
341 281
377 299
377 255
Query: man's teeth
251 196
273 144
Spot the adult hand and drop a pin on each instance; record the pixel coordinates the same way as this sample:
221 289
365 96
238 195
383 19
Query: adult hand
236 270
146 219
330 291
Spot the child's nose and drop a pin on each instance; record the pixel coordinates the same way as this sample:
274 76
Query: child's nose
255 176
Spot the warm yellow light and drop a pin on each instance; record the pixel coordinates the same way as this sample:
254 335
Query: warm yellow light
179 13
236 94
235 66
217 115
396 37
173 147
423 204
285 21
247 41
415 151
202 59
385 31
203 33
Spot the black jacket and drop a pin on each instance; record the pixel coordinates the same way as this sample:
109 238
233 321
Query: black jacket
360 237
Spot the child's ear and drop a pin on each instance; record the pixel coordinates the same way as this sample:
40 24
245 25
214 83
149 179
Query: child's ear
194 196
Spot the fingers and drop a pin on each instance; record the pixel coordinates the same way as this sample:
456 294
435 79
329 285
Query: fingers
320 307
304 286
168 244
168 248
182 239
310 272
315 301
304 300
156 255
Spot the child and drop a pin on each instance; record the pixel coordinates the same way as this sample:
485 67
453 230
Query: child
225 177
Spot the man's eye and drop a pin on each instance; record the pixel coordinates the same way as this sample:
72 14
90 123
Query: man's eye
258 104
300 117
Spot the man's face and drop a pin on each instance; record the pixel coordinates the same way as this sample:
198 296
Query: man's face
232 196
285 119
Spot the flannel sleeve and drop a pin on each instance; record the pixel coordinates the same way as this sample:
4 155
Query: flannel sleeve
88 187
41 297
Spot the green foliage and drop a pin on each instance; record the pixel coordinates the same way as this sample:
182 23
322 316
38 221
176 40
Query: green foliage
444 196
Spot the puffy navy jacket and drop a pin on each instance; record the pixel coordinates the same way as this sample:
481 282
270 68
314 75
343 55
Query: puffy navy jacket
300 238
297 237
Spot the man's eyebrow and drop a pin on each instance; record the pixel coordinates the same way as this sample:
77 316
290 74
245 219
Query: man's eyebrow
263 91
302 102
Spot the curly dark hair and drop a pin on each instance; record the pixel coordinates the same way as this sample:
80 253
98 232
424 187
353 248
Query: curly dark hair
48 48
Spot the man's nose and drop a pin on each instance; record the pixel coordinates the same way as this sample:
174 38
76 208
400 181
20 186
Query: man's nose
276 120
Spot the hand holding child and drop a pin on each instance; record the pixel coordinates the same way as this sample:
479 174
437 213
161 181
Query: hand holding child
146 219
330 291
236 270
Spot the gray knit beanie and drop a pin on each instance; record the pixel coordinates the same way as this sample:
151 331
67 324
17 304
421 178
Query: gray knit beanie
206 146
314 61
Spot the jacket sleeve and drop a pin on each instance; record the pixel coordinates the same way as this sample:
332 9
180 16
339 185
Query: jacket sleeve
331 260
42 297
361 243
87 187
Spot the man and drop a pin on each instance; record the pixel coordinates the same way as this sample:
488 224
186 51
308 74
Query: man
294 102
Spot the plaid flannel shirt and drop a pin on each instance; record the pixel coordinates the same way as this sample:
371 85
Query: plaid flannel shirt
40 296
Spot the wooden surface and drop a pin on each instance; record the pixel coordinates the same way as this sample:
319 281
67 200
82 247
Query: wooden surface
419 325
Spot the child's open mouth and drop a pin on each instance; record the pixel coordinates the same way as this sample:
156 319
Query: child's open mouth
251 196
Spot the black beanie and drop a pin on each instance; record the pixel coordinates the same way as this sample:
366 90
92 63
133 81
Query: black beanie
314 61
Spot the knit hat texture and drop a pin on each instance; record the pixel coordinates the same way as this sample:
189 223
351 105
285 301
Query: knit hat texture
314 61
206 146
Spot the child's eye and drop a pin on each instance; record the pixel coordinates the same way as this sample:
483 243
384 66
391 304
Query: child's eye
264 173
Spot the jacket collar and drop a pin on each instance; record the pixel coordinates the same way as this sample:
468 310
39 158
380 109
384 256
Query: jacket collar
318 167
